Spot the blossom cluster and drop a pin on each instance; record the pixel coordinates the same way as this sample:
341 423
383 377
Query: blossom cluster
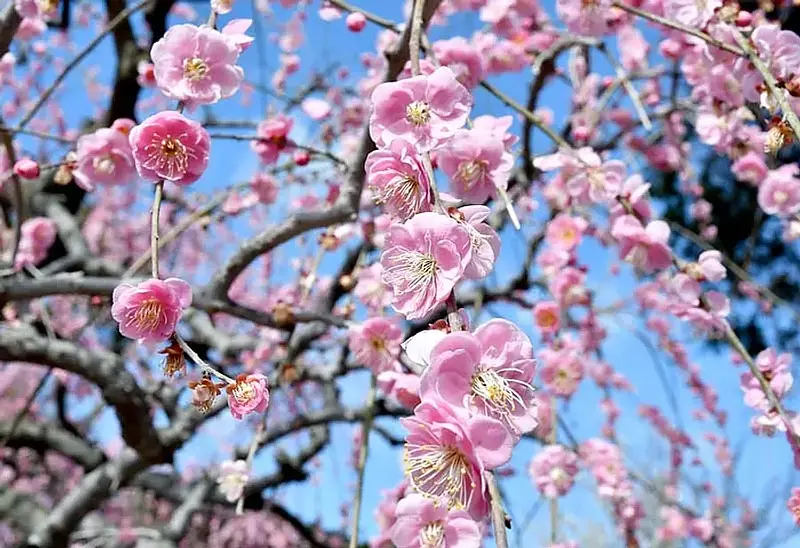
468 389
197 66
474 398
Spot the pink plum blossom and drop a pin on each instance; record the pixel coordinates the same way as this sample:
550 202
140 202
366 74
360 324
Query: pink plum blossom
750 168
547 316
565 231
553 470
488 372
233 477
568 287
633 48
398 180
249 394
401 387
371 290
272 138
422 523
645 248
496 127
777 371
779 193
484 239
424 259
105 158
476 164
561 371
375 343
168 146
36 236
500 55
779 50
462 58
594 180
424 110
196 65
691 13
710 265
222 7
265 188
447 454
675 525
316 109
587 18
149 311
793 504
235 31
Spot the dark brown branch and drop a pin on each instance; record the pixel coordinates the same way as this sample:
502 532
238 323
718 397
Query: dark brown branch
106 370
48 437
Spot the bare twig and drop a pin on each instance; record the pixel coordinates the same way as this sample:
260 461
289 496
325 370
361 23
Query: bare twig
363 454
123 15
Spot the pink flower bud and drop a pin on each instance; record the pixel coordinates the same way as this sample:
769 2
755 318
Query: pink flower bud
744 19
302 157
356 21
26 168
123 125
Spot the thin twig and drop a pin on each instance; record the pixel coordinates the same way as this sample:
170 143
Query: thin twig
678 26
176 231
498 514
626 83
377 19
39 134
251 453
530 116
772 85
201 363
156 213
362 460
122 16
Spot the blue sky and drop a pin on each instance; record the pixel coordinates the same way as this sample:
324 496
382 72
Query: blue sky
763 465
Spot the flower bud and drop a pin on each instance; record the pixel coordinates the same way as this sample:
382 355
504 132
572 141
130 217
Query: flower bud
26 168
356 21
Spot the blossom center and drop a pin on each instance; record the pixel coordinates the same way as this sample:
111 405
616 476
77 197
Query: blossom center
168 156
195 69
780 197
547 318
559 476
471 173
377 344
243 392
403 193
432 535
413 271
496 391
418 113
48 6
148 315
440 472
637 256
597 178
104 164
